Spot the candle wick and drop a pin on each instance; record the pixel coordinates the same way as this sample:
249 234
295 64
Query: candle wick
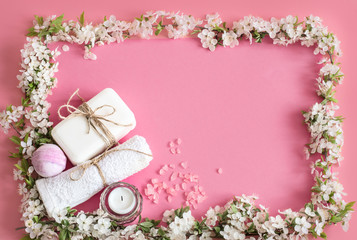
121 198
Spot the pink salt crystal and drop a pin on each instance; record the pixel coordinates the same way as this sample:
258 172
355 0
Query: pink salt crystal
180 174
172 150
159 188
183 186
150 191
184 165
156 201
171 191
173 176
165 167
172 166
164 185
161 172
178 141
220 170
154 180
171 144
169 198
177 187
178 151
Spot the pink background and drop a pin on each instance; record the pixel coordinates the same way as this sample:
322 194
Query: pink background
238 109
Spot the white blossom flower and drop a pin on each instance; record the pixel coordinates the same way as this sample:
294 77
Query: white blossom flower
65 48
309 212
208 39
22 188
319 227
35 230
182 225
230 39
84 222
17 174
302 225
103 226
232 233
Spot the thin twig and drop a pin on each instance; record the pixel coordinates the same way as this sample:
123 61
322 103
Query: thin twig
12 125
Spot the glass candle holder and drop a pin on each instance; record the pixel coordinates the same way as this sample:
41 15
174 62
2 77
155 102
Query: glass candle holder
122 201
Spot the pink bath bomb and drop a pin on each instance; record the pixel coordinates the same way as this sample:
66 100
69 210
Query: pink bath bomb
49 160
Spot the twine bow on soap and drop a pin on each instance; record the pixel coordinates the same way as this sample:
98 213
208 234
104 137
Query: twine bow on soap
94 120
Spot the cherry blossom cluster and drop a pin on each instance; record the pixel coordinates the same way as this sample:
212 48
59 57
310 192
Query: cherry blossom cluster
240 218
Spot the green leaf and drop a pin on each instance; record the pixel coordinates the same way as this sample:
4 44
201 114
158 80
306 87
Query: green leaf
26 237
158 31
26 137
336 219
24 165
19 167
251 228
349 206
323 235
234 208
39 20
161 232
58 21
146 224
81 19
105 18
63 234
16 140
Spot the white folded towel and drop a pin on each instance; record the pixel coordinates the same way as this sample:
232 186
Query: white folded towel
61 191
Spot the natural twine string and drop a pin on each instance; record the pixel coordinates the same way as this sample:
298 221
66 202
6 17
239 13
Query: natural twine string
95 161
94 121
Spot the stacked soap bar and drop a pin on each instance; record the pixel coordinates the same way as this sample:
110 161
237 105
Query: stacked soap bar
72 133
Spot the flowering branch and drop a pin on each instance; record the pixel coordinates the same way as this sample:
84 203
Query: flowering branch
240 218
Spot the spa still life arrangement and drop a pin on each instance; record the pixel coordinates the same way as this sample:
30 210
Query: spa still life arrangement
88 136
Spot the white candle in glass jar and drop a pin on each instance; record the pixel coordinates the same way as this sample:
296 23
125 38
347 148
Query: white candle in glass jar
121 200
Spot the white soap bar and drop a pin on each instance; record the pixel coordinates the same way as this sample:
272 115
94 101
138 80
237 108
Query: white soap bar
72 135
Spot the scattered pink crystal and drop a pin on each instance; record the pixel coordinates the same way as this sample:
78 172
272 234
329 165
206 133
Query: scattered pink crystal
173 176
188 184
193 198
189 177
184 165
171 191
163 170
220 170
